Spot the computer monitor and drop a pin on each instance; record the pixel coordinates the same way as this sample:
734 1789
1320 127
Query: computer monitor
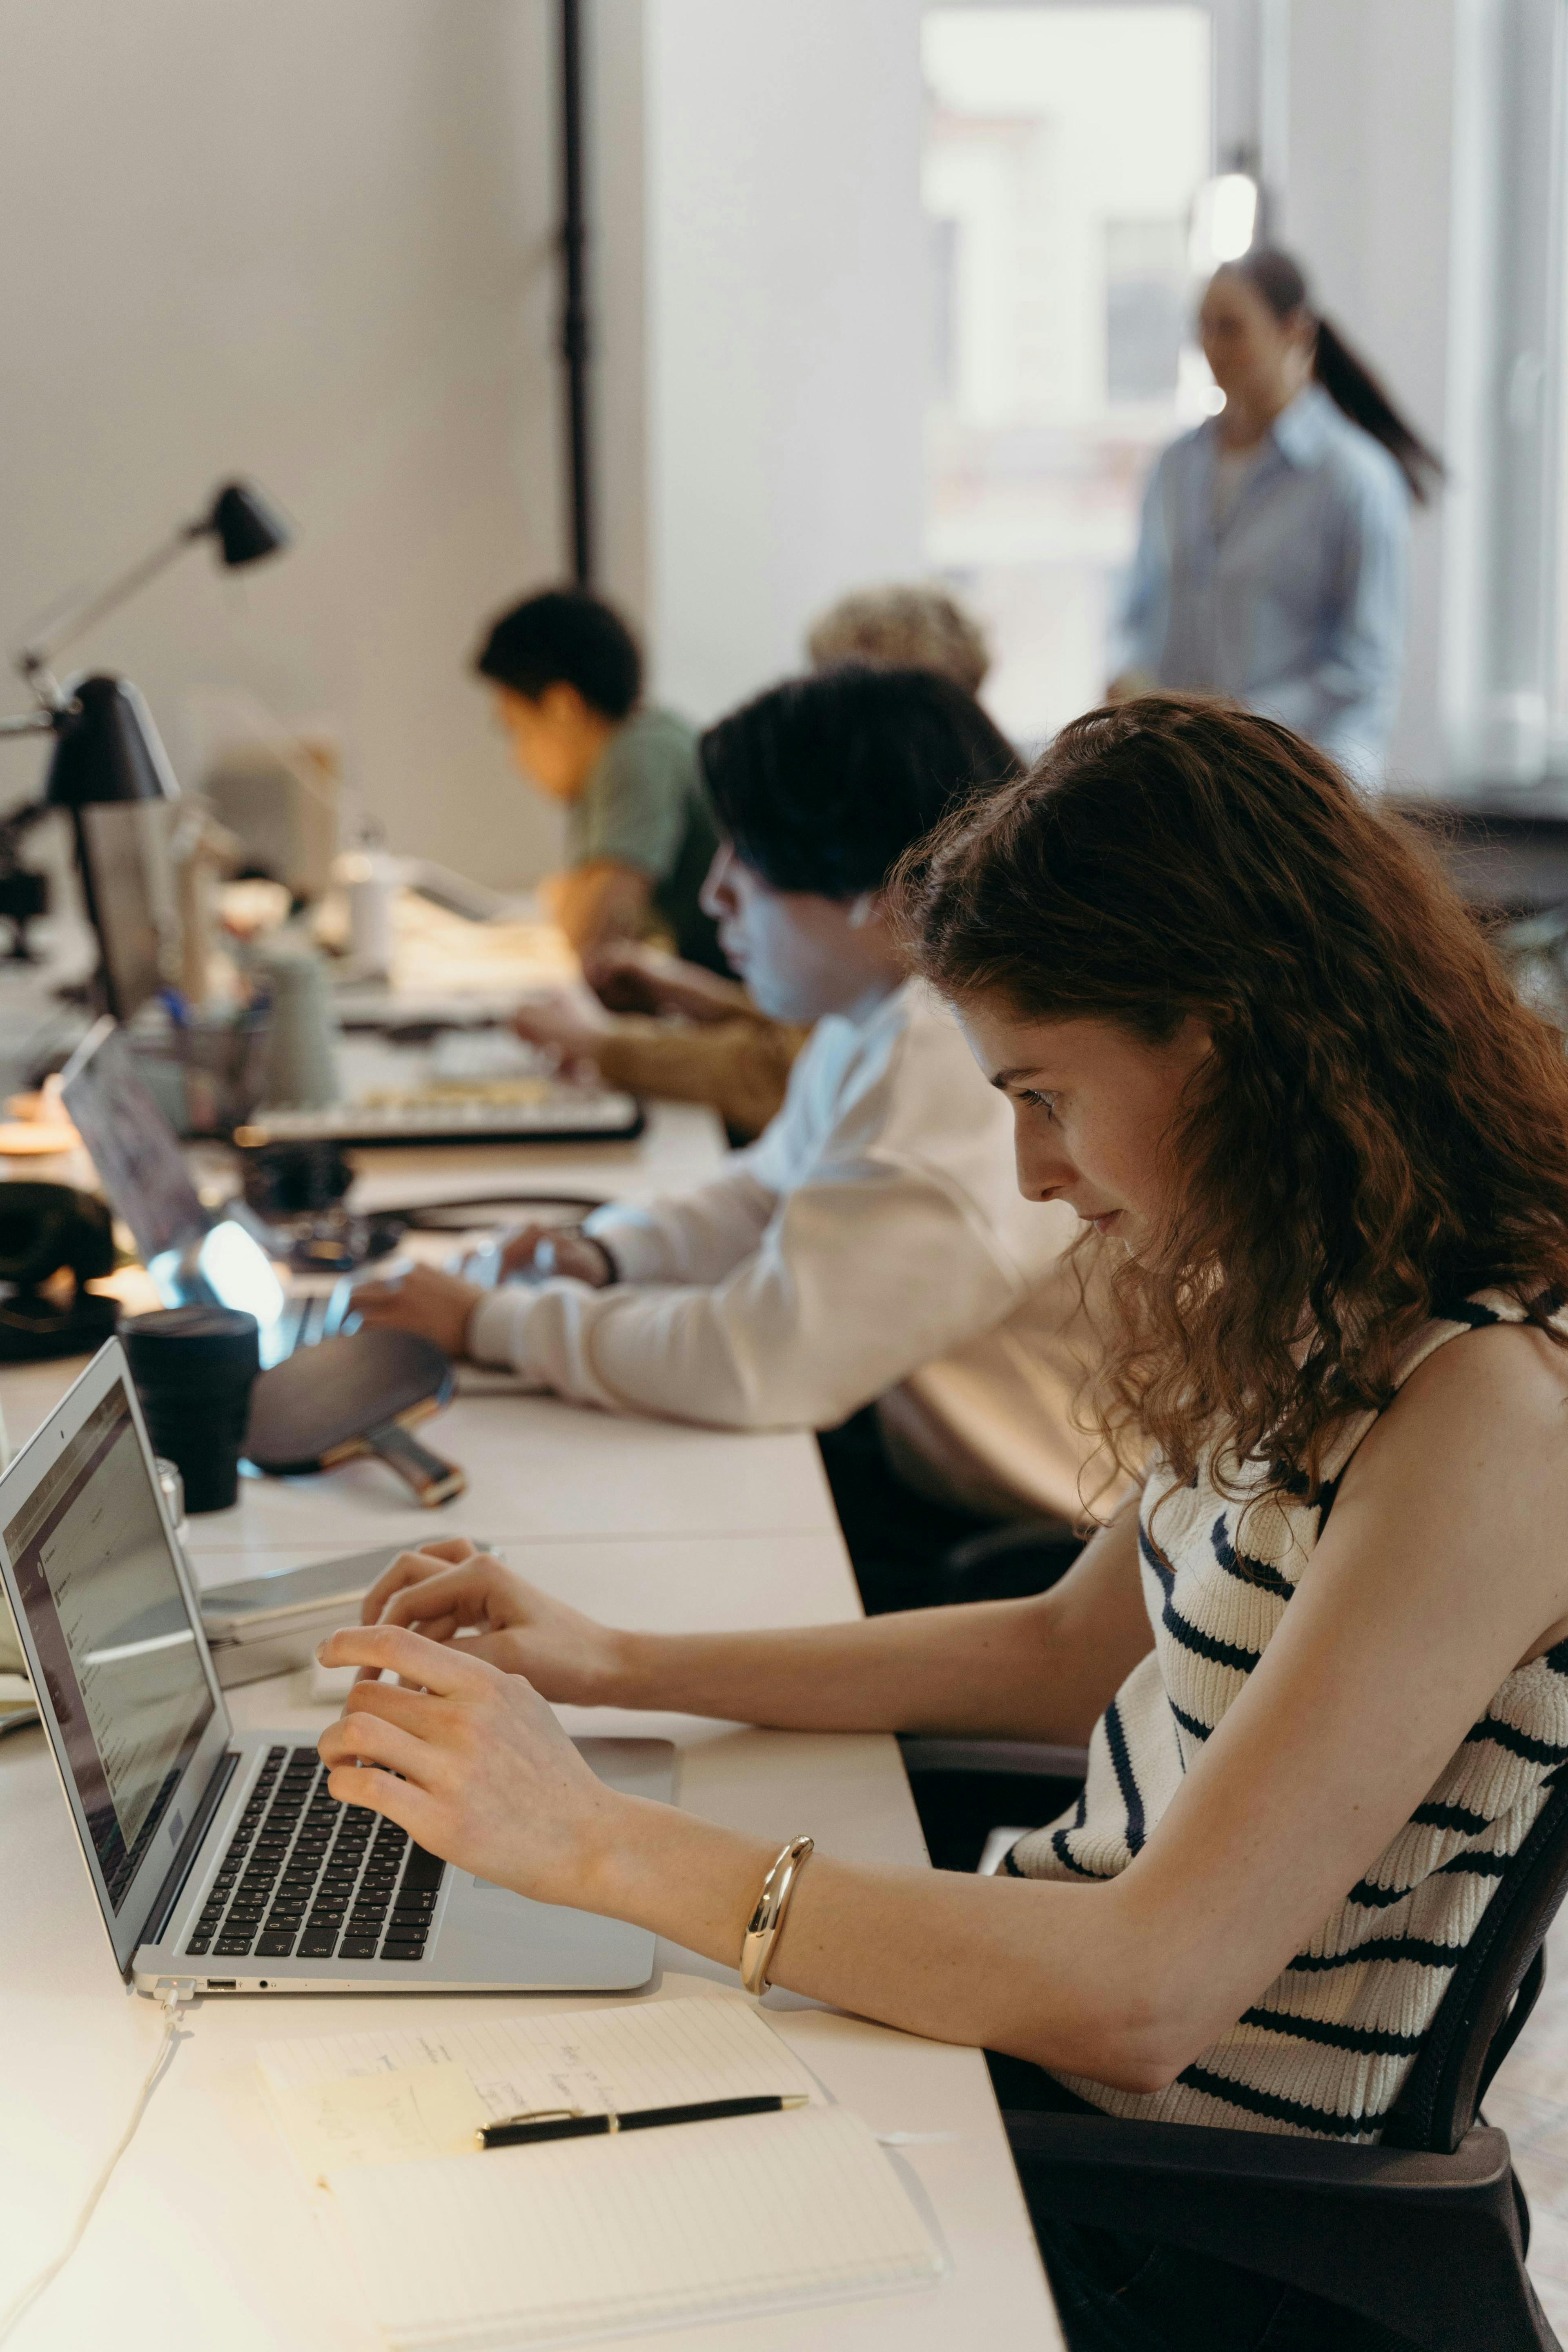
123 847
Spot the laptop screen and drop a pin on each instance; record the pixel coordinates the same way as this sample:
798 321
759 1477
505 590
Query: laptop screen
112 1631
130 1144
125 857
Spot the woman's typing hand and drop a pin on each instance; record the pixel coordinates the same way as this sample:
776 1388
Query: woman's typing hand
450 1593
472 1763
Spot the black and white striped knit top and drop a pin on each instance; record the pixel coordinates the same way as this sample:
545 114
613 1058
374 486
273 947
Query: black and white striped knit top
1326 2047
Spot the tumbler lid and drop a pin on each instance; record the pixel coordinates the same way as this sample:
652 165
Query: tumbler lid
178 1342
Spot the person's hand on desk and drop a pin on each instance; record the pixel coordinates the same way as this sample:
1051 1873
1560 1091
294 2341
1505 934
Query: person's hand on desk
568 1022
551 1250
452 1592
631 977
431 1304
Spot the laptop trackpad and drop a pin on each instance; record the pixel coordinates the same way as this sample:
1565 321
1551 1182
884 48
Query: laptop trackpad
491 1927
490 1935
635 1767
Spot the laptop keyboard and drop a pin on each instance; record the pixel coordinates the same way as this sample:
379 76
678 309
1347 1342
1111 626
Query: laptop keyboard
306 1877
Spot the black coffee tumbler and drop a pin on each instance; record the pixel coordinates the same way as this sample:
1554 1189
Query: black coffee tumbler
193 1368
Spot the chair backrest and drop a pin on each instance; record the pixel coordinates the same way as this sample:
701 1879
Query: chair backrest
1492 1992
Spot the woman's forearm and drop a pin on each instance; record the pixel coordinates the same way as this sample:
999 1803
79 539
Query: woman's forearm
1040 1668
984 1668
1046 1972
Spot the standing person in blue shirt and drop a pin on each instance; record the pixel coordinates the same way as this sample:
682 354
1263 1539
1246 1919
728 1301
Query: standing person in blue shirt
1273 547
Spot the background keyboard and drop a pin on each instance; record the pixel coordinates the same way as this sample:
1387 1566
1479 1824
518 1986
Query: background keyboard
305 1876
566 1115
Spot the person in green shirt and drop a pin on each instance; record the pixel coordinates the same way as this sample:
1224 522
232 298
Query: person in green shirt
566 674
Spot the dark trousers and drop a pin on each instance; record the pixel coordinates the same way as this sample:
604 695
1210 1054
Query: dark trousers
897 1539
1119 2293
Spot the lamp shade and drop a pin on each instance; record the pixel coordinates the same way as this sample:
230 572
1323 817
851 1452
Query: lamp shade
244 527
107 749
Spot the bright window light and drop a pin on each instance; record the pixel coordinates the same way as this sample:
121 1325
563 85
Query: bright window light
1063 150
1225 221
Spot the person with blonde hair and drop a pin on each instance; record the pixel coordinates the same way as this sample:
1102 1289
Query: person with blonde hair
918 627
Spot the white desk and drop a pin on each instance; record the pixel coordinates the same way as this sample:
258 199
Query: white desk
204 2239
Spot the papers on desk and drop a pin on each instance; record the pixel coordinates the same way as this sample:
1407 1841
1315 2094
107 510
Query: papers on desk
572 2239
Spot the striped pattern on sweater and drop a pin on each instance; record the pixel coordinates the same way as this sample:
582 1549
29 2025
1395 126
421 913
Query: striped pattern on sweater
1326 2049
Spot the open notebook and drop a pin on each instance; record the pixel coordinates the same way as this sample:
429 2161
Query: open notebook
574 2239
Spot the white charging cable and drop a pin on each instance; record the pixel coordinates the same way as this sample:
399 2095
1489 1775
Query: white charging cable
174 1998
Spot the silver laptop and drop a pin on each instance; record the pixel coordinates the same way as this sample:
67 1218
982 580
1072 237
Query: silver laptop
194 1258
219 1859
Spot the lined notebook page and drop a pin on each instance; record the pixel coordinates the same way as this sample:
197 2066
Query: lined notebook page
650 2054
547 2246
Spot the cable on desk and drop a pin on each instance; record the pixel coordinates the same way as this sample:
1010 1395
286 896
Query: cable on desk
174 2000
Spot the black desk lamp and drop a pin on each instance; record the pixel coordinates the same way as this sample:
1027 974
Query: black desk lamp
245 528
106 746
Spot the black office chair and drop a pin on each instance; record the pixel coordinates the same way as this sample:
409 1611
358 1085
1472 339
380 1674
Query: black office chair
1427 2233
963 1786
1008 1563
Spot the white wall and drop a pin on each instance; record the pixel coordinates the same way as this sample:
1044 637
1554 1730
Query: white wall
616 164
1366 208
313 243
787 322
317 245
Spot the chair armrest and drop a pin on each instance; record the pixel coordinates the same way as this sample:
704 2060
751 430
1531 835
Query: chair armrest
1429 2245
1114 2149
1034 1759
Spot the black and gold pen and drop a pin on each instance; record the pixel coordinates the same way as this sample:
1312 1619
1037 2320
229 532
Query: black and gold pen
570 2123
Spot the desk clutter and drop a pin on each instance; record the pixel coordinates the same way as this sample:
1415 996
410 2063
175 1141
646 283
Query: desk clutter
194 1369
53 1240
358 1393
324 1394
271 1624
460 2246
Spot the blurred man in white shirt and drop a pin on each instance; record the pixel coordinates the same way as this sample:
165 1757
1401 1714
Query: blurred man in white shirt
870 1249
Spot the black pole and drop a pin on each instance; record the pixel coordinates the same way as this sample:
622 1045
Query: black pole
574 314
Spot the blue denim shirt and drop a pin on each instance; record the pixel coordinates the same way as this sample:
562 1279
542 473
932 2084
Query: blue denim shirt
1295 604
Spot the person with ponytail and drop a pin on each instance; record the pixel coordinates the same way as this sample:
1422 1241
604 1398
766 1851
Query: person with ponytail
1273 547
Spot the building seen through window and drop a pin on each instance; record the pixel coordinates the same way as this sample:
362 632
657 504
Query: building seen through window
1067 157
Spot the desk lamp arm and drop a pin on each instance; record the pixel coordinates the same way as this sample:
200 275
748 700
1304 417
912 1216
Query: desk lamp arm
241 522
35 662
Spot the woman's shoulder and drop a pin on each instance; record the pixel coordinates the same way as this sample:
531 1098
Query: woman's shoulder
1487 1378
1365 472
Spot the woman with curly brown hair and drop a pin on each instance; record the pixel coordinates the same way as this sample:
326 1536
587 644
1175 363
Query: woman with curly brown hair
1255 1041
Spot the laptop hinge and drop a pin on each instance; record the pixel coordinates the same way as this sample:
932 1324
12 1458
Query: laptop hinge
180 1869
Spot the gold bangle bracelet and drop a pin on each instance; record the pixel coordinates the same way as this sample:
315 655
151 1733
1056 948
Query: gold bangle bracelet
768 1919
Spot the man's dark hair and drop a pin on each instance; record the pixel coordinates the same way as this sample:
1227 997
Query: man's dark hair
823 783
564 637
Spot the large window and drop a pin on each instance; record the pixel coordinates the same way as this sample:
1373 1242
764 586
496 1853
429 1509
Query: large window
1065 150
